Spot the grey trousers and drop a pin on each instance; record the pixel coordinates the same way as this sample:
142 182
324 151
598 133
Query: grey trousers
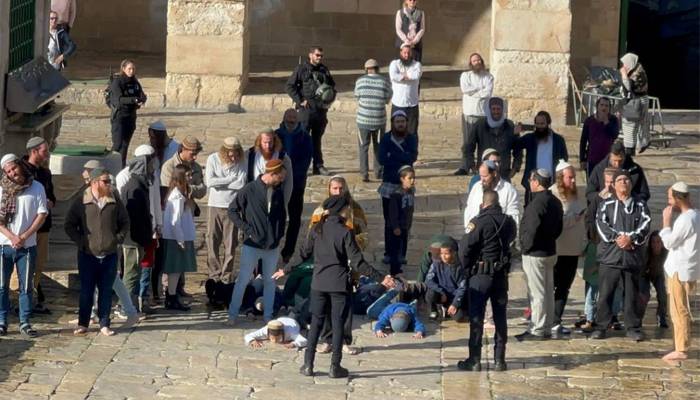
220 230
540 283
468 123
364 139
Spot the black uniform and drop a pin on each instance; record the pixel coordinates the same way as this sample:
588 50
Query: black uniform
125 94
302 86
332 245
485 253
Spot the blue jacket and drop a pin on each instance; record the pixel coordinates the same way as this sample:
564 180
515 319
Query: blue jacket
385 317
450 280
298 146
529 144
392 157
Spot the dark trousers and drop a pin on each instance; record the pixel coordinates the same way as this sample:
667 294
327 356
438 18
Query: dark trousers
433 299
322 305
659 283
157 269
295 208
483 288
395 247
413 117
316 122
564 274
96 273
327 332
365 138
123 128
608 278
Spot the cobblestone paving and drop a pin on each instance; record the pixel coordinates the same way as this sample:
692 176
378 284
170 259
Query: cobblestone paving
194 356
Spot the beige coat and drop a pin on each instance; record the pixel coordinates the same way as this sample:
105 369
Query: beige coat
573 240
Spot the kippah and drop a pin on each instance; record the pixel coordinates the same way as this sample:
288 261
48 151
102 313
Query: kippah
562 165
157 126
543 173
232 142
144 150
7 158
34 142
680 187
97 172
273 166
399 113
92 164
487 153
275 325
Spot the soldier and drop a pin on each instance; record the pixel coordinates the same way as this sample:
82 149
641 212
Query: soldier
485 254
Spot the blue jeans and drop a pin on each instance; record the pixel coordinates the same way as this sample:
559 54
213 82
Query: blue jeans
145 283
25 259
374 310
96 273
591 301
249 260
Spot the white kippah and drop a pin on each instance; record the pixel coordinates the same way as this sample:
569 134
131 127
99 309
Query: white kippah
7 158
680 187
144 150
562 165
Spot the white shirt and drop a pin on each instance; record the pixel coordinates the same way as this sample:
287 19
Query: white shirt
683 244
291 333
224 181
507 199
545 154
178 222
30 203
405 90
259 168
476 89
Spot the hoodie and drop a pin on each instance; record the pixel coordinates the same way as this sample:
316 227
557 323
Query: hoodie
298 146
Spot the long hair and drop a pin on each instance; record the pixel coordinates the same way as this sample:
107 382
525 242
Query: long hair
278 141
223 154
565 192
650 251
123 65
179 180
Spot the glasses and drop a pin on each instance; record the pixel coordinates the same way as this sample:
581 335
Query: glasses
318 55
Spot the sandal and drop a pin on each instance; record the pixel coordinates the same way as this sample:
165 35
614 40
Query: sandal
80 331
323 348
105 331
352 350
27 331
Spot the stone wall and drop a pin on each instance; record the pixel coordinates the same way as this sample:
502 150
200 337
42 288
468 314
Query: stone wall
122 25
594 43
530 54
359 29
207 53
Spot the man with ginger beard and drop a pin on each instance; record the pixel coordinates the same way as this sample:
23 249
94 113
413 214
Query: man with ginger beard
23 210
268 146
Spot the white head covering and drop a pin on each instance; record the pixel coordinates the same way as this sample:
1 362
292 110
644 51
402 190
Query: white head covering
562 165
487 111
7 158
144 150
680 187
630 60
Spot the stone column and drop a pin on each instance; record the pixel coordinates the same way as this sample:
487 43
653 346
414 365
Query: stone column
206 53
530 51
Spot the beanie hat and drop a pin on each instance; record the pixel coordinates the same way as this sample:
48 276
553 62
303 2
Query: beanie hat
335 204
273 166
400 321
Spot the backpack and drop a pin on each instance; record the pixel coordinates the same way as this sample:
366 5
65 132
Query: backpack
107 92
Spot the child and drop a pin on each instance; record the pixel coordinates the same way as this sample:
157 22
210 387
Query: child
446 282
431 254
400 218
400 317
283 330
653 274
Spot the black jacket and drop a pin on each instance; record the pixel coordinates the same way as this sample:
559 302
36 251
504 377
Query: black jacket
597 179
135 198
529 143
43 176
302 85
612 220
502 139
401 206
66 46
488 240
541 225
125 93
263 229
332 245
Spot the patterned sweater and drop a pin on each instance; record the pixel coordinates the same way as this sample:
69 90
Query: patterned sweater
373 93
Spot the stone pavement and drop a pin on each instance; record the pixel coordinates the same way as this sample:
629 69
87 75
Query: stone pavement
193 355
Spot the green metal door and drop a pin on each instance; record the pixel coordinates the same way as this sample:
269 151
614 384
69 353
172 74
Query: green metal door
22 14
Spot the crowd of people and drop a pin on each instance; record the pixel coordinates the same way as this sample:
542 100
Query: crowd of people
135 232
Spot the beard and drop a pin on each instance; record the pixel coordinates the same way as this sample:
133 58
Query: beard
406 63
103 191
400 133
541 134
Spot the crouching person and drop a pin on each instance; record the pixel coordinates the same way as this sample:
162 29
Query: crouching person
283 330
400 317
447 283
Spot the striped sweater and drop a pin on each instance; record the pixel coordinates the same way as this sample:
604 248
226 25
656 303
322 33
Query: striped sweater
373 93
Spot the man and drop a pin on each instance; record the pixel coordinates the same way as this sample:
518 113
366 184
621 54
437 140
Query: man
268 146
284 331
37 156
258 211
135 195
312 89
498 133
682 265
623 223
488 154
298 145
598 135
539 229
373 92
477 86
486 256
620 160
405 76
60 45
66 10
97 223
225 176
23 210
490 180
543 147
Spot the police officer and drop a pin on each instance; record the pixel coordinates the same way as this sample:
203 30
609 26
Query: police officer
125 97
312 89
485 254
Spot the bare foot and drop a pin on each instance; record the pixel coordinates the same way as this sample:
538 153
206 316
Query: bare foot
105 331
675 356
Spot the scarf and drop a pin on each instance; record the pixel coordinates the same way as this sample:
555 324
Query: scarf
487 111
10 191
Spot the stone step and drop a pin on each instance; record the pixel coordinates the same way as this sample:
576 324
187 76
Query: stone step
91 92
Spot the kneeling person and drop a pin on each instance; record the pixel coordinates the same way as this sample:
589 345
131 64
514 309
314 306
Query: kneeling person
283 330
446 282
400 317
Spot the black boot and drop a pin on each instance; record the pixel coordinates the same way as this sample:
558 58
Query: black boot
338 372
470 364
500 365
173 303
306 370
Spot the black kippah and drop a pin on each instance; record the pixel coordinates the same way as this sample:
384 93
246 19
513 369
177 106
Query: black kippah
335 204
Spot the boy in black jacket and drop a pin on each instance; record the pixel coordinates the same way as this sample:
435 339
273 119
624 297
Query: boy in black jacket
447 283
401 205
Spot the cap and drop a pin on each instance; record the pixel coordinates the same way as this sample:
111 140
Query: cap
92 164
543 173
144 150
371 63
275 325
438 241
97 172
192 143
157 126
485 155
619 173
231 143
400 321
7 158
35 141
399 113
335 204
680 187
562 165
273 166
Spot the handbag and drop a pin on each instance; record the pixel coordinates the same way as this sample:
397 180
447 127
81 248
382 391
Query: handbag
632 110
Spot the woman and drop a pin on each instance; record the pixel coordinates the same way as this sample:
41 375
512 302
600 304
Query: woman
572 241
60 44
598 135
410 28
635 124
334 249
126 96
178 235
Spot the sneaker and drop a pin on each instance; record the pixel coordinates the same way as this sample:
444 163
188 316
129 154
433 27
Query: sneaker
527 336
559 329
118 314
433 315
27 331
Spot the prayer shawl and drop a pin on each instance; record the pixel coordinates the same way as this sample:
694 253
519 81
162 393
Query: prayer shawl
10 191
